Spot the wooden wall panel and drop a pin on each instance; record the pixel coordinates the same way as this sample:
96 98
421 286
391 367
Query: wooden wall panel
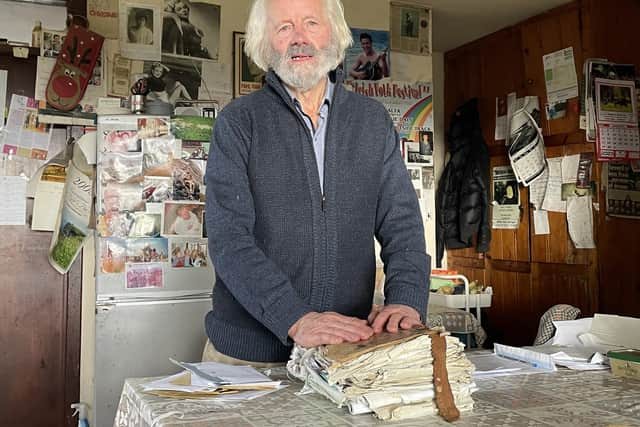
563 284
39 332
509 319
610 33
502 72
544 34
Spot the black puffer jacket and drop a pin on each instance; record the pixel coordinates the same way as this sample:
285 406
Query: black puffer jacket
462 201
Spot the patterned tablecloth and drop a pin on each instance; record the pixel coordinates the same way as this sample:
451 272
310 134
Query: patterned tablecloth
564 398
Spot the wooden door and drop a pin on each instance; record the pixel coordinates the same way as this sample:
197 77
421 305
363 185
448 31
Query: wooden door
39 332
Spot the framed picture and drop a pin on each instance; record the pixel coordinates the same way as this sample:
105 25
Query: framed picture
247 77
410 28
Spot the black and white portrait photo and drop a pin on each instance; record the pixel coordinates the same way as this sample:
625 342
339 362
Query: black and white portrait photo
140 30
140 25
191 28
173 79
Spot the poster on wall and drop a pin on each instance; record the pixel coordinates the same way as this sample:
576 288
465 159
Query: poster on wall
140 30
103 17
410 106
410 26
623 189
368 58
191 28
247 76
506 199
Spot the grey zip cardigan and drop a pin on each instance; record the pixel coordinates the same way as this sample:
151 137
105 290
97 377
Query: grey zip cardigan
280 248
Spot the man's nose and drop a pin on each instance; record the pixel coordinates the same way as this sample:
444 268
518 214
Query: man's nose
299 35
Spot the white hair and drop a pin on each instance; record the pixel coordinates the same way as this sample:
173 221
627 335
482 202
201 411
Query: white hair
257 44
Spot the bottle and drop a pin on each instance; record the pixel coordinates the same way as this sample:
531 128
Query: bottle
80 408
35 34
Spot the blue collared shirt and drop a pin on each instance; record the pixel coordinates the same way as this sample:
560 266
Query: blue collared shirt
318 134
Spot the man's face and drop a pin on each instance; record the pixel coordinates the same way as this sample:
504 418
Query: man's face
366 45
300 40
142 21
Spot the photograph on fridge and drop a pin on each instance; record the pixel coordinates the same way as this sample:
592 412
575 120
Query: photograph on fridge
113 254
146 275
188 179
182 218
122 141
145 224
186 253
147 250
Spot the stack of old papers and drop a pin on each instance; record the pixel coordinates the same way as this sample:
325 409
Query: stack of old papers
213 380
390 375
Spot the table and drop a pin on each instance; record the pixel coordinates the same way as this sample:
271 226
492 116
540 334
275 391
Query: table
564 398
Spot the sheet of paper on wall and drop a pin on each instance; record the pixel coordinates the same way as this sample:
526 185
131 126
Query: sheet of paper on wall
13 194
580 221
553 194
512 106
103 17
560 75
501 118
506 199
540 222
4 74
140 38
537 190
570 168
622 190
24 135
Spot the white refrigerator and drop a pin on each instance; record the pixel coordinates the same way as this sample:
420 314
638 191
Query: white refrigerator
139 327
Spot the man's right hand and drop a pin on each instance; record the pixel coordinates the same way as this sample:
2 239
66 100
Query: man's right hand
314 329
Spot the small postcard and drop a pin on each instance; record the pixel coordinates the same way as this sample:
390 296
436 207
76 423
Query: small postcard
113 254
145 224
182 218
122 141
147 250
187 253
139 276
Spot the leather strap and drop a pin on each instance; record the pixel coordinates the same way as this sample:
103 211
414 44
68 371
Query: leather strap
444 397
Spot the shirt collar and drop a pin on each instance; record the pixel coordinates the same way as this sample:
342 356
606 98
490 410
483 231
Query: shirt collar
328 94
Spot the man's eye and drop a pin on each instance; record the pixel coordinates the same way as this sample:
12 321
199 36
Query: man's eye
285 29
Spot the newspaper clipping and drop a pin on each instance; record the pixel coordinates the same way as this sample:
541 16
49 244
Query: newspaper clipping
623 190
410 28
506 199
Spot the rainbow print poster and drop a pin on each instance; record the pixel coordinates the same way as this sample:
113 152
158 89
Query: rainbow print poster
409 104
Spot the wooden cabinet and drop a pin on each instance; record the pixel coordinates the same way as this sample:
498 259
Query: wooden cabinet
529 273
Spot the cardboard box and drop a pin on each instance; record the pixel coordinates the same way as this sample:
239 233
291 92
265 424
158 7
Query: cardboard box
625 363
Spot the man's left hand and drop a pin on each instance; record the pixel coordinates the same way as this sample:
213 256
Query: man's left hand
393 317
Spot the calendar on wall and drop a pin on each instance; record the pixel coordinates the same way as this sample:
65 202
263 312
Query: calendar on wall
618 137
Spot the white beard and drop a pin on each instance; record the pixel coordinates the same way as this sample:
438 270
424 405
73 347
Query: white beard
303 76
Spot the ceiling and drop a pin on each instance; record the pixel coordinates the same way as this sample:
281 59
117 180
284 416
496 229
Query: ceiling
456 22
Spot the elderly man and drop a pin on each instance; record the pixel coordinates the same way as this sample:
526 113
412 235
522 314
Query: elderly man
301 176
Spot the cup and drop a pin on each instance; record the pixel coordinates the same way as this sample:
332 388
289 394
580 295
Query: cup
137 104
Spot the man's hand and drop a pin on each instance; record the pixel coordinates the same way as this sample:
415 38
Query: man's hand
315 329
393 317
